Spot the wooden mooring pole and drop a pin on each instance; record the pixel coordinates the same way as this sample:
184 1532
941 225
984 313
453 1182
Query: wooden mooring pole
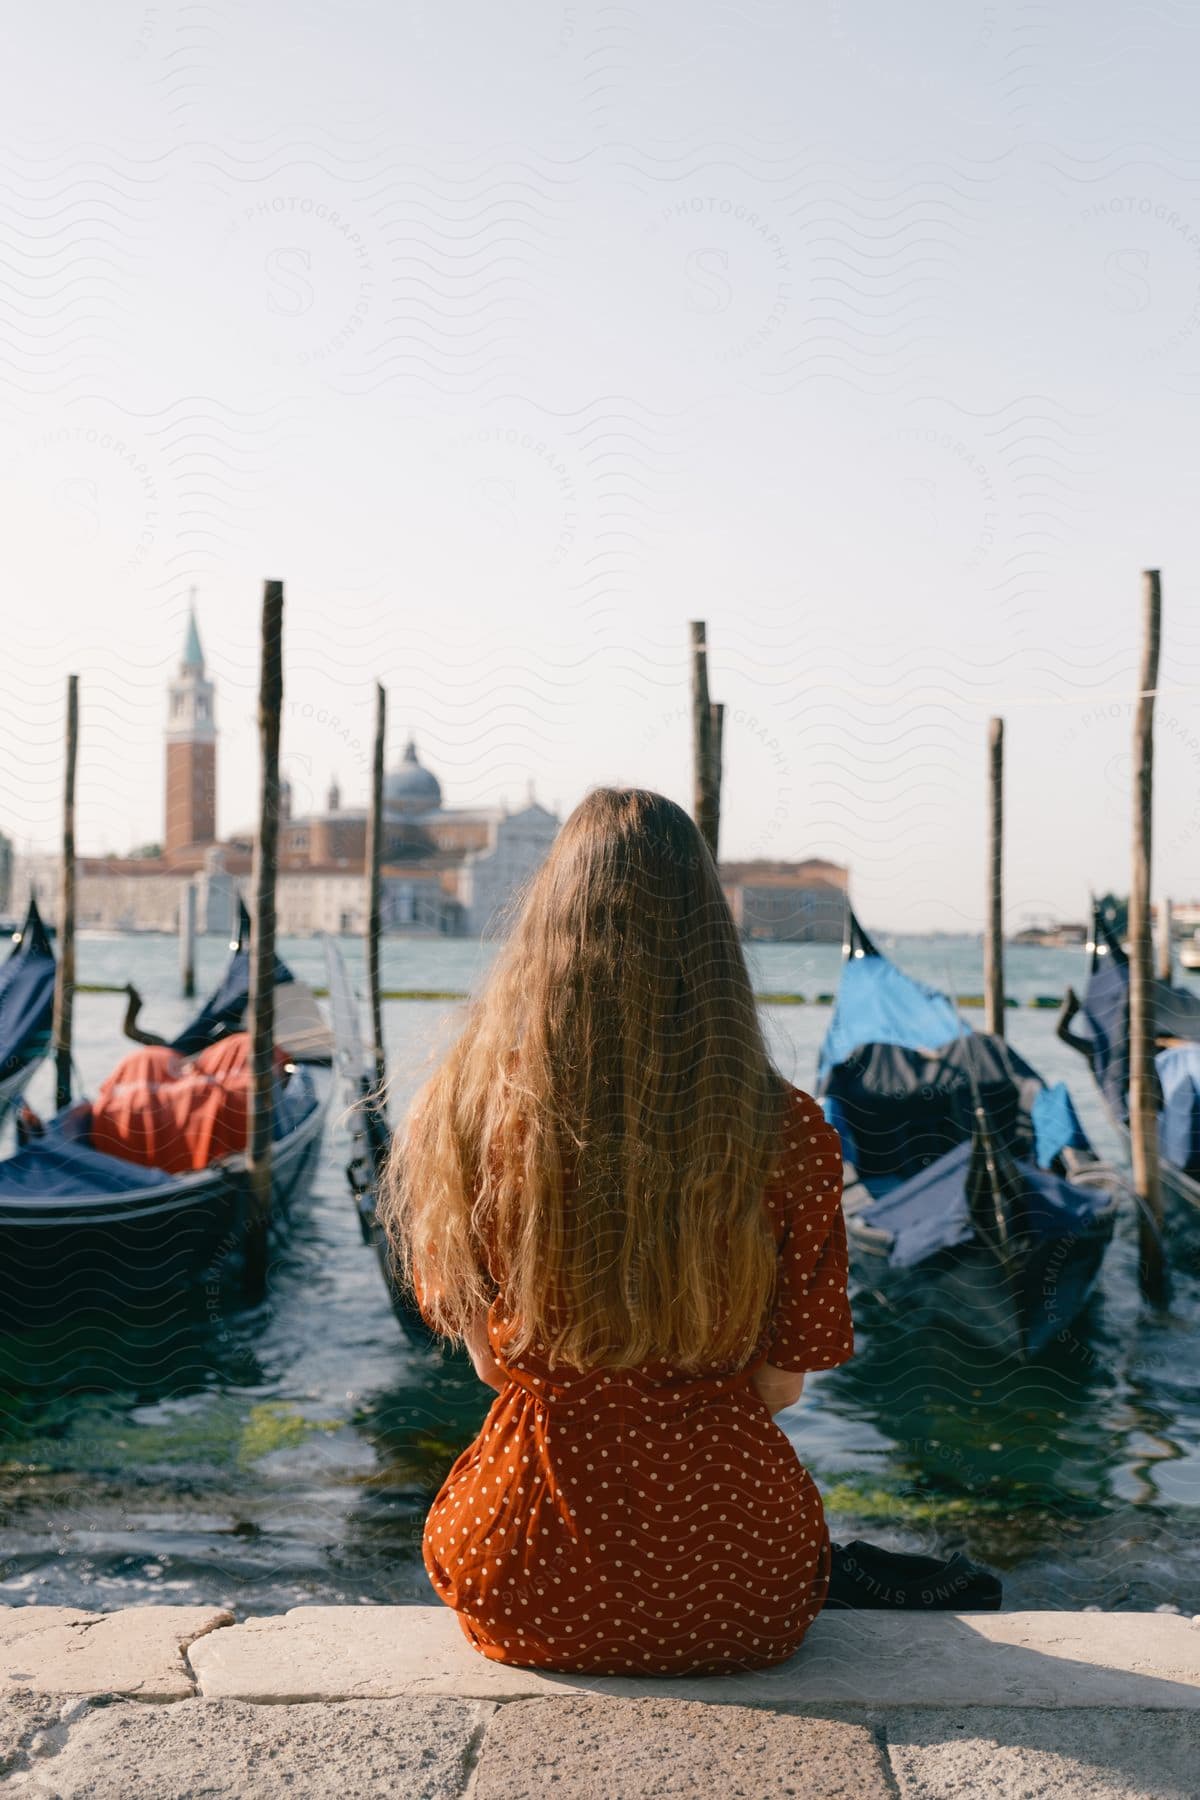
993 930
706 724
260 1019
716 748
187 940
1143 1084
375 826
64 975
1166 960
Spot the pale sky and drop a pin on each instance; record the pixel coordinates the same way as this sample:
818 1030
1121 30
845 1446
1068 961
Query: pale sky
513 337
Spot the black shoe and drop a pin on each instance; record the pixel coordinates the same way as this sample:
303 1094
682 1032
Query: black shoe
866 1578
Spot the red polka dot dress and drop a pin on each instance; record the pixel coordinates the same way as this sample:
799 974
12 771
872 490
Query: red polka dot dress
617 1520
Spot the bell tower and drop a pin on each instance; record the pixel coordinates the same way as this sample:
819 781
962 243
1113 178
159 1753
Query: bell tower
191 813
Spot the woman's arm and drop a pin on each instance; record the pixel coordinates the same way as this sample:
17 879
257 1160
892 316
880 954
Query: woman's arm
480 1350
777 1388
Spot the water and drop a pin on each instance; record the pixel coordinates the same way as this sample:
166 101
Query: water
287 1454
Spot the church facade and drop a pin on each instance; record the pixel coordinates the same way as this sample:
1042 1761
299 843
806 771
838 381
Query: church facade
449 871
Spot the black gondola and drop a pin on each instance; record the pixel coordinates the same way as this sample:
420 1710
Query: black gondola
1103 1038
973 1197
26 1008
82 1229
371 1143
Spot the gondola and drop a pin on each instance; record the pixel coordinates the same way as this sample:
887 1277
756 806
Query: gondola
1102 1037
371 1143
26 1008
81 1229
973 1198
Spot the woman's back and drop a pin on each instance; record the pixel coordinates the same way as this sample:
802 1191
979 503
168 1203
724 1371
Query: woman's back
624 1518
610 1194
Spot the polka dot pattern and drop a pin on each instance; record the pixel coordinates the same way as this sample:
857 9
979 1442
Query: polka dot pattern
639 1519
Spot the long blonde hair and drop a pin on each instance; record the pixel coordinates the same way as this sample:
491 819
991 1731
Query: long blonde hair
600 1135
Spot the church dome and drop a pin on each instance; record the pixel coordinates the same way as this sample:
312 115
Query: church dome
411 788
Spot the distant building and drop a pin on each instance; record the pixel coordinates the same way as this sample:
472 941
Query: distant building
449 871
112 893
1044 932
446 870
191 784
788 903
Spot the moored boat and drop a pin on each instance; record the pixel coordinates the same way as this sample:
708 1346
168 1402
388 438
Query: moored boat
1098 1027
973 1197
26 1008
81 1228
371 1143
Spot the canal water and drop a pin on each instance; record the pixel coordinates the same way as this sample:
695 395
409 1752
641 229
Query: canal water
287 1454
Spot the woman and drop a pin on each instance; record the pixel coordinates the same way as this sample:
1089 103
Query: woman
634 1223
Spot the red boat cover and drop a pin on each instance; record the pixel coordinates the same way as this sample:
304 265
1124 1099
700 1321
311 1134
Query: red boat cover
174 1113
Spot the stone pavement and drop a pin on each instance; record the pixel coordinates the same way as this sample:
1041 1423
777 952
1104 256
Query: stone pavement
179 1702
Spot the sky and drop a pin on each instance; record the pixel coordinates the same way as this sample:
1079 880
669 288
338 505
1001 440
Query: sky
514 338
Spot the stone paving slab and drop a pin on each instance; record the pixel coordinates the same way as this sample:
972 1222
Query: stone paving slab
987 1754
592 1748
867 1659
141 1650
587 1747
349 1750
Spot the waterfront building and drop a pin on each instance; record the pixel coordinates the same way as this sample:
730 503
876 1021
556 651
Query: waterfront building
788 903
447 870
450 871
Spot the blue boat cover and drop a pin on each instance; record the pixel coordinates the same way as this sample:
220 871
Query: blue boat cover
26 997
930 1212
54 1167
62 1163
897 1111
878 1004
1056 1125
1105 1019
1179 1119
901 1076
224 1010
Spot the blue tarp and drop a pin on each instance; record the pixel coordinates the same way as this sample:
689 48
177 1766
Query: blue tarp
224 1011
63 1163
1106 1022
26 997
897 1111
836 1114
878 1004
1106 1019
1179 1120
53 1168
1057 1208
901 1077
929 1212
1056 1125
